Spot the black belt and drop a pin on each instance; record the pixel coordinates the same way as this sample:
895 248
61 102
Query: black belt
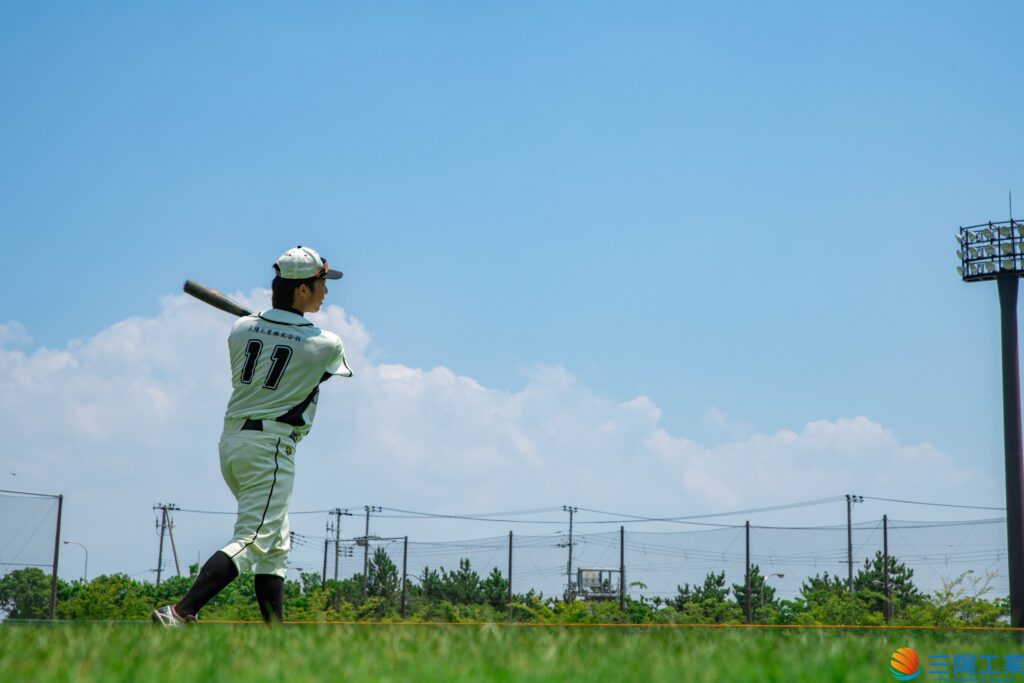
257 426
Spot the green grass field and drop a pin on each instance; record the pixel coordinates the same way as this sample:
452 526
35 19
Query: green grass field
251 653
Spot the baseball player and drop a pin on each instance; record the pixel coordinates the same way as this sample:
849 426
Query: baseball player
278 361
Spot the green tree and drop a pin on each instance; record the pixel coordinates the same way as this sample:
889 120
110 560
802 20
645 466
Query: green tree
383 581
345 590
494 590
762 595
960 602
310 582
819 588
684 594
25 594
431 586
114 596
462 586
826 599
713 588
869 584
839 608
704 604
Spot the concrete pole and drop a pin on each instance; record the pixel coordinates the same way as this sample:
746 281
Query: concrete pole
1012 445
747 601
160 553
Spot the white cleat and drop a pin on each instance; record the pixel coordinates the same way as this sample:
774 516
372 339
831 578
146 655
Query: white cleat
169 617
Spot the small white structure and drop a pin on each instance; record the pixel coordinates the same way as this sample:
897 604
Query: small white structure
598 584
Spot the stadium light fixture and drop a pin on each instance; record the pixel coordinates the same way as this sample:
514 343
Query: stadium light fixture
996 259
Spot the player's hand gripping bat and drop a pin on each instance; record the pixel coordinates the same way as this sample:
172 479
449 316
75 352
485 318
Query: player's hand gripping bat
215 298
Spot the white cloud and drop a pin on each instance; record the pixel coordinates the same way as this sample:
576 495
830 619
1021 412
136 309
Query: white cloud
725 425
13 333
131 416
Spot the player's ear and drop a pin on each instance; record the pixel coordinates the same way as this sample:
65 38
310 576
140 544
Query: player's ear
297 295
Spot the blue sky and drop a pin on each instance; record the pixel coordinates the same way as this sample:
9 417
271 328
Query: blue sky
742 213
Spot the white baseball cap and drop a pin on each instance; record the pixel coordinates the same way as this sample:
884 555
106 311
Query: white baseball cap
302 263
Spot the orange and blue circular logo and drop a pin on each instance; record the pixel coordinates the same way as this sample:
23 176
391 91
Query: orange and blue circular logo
903 664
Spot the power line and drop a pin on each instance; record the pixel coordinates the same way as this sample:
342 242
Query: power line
618 517
26 493
220 512
621 518
941 505
486 517
770 508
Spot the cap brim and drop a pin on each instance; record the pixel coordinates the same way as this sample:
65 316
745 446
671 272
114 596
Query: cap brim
333 275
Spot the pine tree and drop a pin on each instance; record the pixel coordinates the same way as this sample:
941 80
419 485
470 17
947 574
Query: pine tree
383 576
869 586
461 587
759 591
495 589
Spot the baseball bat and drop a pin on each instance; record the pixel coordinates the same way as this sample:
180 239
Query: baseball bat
215 298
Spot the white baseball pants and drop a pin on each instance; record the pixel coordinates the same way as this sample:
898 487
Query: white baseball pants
259 468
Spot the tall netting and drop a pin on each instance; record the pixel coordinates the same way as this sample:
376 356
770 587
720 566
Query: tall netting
658 563
28 524
937 553
658 556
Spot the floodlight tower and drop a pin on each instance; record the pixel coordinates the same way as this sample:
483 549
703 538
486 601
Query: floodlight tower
995 251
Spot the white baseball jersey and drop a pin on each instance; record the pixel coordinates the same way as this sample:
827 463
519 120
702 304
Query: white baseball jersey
278 360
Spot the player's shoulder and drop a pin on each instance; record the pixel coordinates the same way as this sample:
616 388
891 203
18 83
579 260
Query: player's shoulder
245 322
276 316
329 336
324 338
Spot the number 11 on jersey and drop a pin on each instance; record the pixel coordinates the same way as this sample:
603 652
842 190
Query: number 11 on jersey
279 358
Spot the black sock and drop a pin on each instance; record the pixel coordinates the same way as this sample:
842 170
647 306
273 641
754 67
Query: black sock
217 573
270 596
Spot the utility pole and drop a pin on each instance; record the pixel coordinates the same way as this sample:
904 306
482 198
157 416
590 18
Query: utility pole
569 593
337 539
323 575
327 543
366 547
56 559
405 568
170 533
166 525
337 512
885 568
160 553
622 568
509 576
850 500
747 581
